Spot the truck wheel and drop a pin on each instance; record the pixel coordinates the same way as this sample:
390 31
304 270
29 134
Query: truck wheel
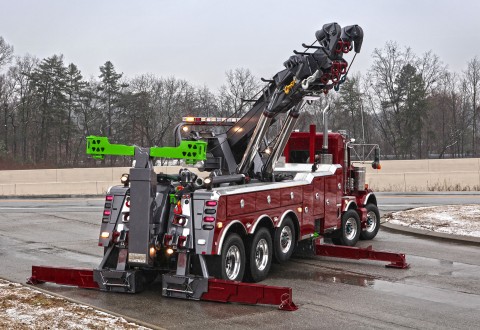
350 231
232 259
373 222
260 255
284 241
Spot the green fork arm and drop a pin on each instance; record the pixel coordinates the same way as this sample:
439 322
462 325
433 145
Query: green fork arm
191 151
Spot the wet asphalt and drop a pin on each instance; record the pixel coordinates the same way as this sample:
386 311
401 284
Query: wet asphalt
440 290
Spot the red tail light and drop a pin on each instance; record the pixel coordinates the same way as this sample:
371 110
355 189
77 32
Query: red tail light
167 238
209 219
115 235
109 198
182 240
211 203
106 213
178 208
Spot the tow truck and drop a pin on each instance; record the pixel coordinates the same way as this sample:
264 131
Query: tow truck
214 237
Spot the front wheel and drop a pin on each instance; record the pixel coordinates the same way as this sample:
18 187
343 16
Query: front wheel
284 241
260 255
350 231
373 222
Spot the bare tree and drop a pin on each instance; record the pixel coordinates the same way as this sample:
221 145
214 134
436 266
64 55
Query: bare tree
472 78
240 86
24 101
383 95
431 69
6 52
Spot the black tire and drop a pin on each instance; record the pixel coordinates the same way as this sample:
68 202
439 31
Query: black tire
260 255
349 234
373 223
230 264
284 241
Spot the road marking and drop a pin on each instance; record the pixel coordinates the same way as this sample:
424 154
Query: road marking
61 200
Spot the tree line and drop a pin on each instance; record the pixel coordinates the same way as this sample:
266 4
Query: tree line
412 106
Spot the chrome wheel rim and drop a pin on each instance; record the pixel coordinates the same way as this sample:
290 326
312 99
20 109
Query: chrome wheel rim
232 262
350 228
371 221
261 254
285 239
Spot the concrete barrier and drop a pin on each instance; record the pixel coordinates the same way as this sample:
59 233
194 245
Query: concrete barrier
426 175
71 181
395 175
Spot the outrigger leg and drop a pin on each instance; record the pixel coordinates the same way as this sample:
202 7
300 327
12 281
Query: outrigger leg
217 290
397 260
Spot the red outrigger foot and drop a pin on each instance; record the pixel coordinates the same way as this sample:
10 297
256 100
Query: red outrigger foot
397 260
83 278
249 293
218 290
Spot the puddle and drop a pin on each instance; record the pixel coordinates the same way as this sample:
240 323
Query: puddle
327 277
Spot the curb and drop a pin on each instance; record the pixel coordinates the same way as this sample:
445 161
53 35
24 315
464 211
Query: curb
431 234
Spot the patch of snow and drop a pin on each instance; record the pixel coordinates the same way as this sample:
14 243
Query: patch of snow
23 307
461 220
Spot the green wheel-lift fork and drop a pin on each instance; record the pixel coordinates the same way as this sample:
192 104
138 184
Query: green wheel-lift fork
191 151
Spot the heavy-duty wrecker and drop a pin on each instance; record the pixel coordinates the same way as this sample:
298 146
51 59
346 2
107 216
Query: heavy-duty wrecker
259 201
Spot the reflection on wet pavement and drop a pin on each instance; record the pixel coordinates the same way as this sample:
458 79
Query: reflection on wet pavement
328 276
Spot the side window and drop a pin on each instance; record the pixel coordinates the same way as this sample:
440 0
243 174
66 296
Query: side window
299 156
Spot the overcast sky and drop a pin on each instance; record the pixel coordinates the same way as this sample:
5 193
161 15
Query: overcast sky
200 40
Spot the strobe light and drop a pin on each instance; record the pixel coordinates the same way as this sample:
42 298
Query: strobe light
208 183
125 179
179 221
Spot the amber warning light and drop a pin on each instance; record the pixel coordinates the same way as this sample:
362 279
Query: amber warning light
209 121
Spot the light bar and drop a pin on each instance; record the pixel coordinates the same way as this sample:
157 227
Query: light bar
209 120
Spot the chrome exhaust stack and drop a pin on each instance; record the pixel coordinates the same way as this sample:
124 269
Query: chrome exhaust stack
325 157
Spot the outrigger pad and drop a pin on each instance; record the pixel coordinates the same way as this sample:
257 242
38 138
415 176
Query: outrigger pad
129 281
185 287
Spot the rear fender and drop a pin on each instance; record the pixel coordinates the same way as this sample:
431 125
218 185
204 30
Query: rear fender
234 226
